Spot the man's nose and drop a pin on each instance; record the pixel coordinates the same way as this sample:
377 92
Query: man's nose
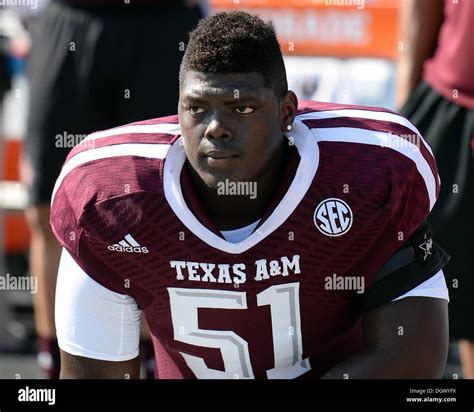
218 128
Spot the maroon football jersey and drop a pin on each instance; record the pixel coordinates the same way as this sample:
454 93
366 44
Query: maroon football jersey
279 304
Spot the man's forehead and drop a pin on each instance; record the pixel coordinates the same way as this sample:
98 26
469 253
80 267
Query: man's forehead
197 84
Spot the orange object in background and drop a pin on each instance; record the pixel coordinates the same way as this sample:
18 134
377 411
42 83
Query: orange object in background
336 28
16 231
12 150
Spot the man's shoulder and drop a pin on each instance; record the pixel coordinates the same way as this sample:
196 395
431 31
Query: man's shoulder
346 122
369 146
344 126
159 131
115 162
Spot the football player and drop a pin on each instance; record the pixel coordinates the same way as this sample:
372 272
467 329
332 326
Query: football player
261 236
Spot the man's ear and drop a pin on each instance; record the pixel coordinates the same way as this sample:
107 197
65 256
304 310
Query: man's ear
288 109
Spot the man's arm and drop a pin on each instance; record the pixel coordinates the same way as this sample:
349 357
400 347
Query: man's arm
405 339
420 21
78 367
98 330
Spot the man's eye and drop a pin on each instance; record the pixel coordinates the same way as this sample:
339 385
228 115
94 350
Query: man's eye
244 109
195 109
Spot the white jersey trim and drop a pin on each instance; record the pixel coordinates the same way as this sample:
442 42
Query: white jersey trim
306 143
157 151
161 128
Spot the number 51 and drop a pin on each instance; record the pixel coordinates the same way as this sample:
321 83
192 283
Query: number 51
286 330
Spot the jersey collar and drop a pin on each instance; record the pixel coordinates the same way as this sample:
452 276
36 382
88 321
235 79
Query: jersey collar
306 144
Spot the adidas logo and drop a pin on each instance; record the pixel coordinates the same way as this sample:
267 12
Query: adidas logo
129 244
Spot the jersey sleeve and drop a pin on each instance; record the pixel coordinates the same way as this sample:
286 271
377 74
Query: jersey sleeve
70 200
84 232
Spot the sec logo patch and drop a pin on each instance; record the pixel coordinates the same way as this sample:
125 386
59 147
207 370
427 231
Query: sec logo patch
333 217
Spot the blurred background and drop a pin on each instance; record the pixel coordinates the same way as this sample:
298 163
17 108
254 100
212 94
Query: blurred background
335 51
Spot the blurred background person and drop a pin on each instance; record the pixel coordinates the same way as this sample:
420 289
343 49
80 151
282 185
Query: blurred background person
93 65
435 90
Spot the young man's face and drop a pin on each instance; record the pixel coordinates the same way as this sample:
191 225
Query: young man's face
230 124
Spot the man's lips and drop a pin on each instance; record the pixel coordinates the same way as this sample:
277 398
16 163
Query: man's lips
219 154
220 159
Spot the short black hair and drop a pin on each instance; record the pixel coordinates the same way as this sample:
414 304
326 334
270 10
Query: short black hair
236 42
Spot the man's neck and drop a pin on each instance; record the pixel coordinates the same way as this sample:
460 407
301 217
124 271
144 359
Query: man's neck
231 211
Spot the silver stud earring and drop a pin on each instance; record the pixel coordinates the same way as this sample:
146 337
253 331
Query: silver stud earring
289 127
